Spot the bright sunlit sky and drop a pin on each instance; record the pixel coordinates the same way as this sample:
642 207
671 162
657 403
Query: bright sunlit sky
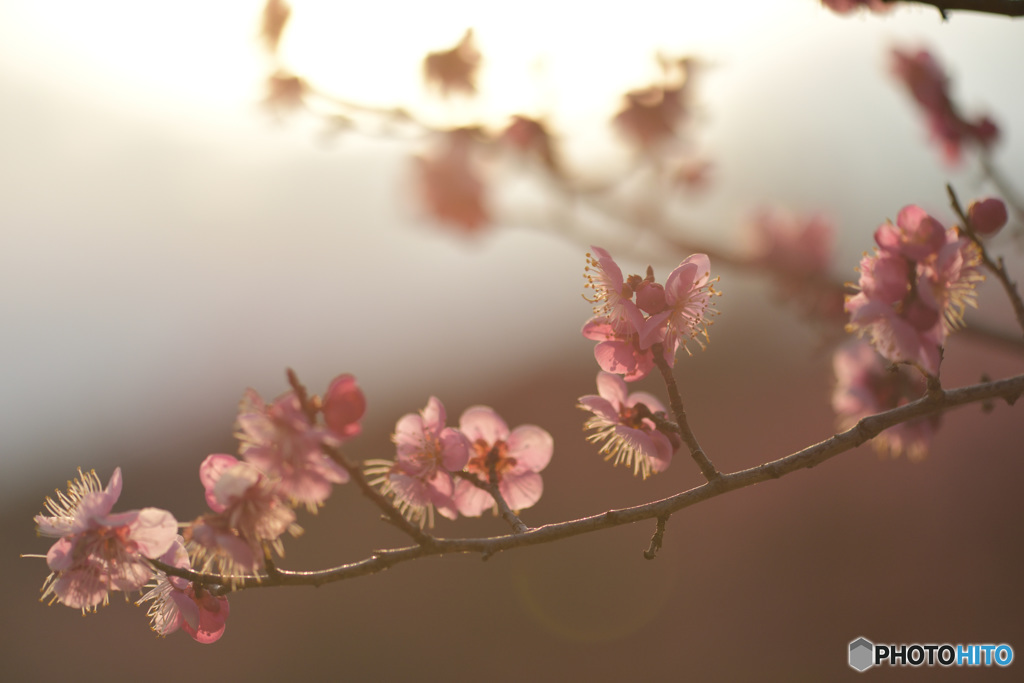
165 244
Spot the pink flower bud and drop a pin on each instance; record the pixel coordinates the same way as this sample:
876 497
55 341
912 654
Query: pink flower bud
987 216
343 407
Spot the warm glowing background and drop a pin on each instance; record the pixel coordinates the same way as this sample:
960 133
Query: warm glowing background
164 245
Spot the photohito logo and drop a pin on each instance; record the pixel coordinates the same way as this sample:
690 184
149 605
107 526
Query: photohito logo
864 654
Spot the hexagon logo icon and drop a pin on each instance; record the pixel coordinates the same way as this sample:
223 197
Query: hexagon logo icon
862 654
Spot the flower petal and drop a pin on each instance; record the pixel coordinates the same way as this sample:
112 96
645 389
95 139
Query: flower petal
472 500
531 446
210 472
482 423
522 490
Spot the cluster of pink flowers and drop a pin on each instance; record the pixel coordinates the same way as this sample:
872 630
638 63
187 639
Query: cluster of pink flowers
865 386
632 315
430 456
284 463
929 87
914 288
99 551
626 435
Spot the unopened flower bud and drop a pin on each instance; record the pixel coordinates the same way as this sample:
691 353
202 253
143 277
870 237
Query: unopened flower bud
987 216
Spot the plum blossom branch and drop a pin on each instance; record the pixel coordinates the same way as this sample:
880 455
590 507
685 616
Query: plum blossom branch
672 236
659 419
391 513
1009 8
998 269
518 526
456 72
1003 186
1009 389
676 401
678 239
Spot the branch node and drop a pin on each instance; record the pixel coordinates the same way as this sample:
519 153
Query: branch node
656 539
273 573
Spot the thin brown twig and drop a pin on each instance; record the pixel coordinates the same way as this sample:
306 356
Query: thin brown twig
1008 8
998 269
518 526
1002 185
393 514
660 421
674 237
1009 389
355 472
657 538
676 401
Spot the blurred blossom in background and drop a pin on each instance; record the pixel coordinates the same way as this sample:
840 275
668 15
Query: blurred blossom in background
165 243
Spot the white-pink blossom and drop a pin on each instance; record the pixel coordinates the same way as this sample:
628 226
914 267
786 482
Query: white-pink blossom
671 314
248 511
625 435
99 551
420 477
511 459
281 442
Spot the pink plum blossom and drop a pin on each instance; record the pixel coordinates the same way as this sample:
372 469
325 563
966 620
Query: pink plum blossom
612 298
987 216
343 408
688 292
248 512
865 386
914 289
281 442
624 435
928 85
801 245
626 330
848 6
99 551
515 458
530 137
652 117
947 283
621 353
451 184
179 603
420 477
797 252
916 235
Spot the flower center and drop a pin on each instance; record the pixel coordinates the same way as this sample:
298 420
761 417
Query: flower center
490 458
